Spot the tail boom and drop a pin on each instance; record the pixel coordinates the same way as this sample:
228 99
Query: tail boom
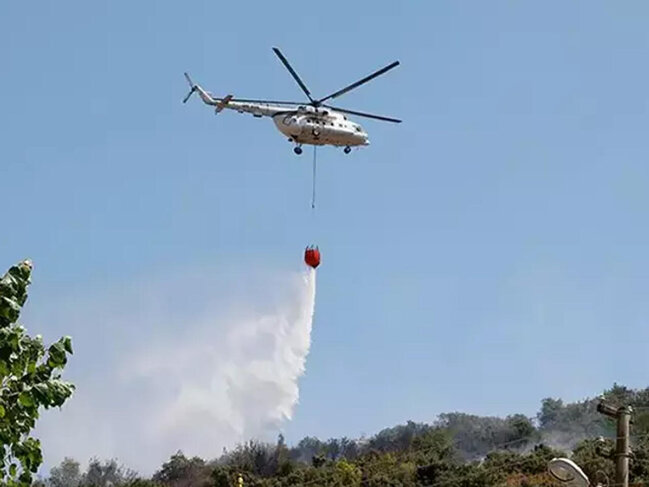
256 108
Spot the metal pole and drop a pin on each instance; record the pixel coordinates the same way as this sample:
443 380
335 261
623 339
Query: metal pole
622 451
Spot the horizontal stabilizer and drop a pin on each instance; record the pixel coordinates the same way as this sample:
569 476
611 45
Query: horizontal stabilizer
220 105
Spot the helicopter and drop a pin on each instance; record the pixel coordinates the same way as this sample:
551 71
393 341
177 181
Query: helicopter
314 123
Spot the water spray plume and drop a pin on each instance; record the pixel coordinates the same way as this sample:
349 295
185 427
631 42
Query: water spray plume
197 382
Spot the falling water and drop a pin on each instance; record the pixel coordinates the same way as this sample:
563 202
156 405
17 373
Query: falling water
199 384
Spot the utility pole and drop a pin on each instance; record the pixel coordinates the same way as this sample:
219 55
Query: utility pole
622 451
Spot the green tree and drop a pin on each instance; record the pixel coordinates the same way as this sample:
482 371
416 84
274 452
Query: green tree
639 465
433 445
30 379
347 473
143 483
283 464
594 457
108 473
474 436
66 474
181 471
307 448
397 438
255 457
221 477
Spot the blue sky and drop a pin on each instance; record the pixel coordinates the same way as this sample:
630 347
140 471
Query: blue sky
488 252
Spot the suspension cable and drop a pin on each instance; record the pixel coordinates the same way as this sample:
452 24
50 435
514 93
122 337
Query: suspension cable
314 164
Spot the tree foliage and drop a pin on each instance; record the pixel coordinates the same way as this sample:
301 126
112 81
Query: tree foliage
30 379
181 471
66 474
107 474
458 450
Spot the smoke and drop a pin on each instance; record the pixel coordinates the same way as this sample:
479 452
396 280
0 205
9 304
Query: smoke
563 440
193 363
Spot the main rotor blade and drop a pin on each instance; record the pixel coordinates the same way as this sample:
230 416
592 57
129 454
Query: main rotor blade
292 71
359 82
366 115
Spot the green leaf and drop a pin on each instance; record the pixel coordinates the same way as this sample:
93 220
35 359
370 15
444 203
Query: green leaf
57 347
9 309
57 357
4 370
26 399
13 470
42 393
2 411
67 344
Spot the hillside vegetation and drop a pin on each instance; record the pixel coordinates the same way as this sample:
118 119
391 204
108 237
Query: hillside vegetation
457 450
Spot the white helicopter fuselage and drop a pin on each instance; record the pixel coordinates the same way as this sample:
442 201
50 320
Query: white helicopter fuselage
321 128
301 124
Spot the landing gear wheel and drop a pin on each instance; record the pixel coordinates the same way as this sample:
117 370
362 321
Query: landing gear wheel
347 150
298 150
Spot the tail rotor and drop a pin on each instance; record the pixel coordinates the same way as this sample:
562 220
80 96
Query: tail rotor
192 86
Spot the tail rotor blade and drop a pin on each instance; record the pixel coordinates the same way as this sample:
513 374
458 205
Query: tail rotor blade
189 80
192 86
191 92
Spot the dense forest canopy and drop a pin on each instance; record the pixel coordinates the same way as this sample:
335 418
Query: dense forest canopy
456 450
